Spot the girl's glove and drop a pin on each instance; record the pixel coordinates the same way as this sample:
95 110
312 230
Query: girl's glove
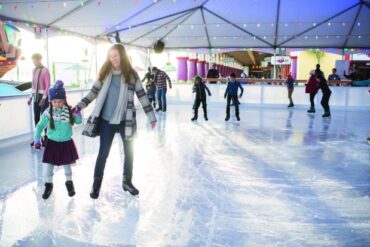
154 124
37 144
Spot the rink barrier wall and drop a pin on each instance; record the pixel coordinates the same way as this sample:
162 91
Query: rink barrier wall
16 116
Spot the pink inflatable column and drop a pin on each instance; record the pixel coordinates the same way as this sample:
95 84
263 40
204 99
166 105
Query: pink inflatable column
293 67
206 68
182 68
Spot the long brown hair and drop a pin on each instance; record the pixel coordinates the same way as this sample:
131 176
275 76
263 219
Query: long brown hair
126 68
71 119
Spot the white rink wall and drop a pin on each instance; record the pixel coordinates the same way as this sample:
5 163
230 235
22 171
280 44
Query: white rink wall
16 116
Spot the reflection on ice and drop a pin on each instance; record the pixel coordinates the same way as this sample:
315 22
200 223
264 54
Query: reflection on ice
277 178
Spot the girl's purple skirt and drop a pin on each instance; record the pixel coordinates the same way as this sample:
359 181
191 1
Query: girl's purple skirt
60 153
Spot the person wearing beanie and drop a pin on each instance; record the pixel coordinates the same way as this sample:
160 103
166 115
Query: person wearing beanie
200 89
290 86
60 149
312 87
231 93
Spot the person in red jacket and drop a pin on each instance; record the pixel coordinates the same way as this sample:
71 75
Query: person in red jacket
312 87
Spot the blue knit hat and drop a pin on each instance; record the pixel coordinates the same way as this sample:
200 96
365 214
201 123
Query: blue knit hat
57 91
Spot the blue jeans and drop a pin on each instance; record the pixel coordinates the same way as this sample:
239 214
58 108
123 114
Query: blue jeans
161 96
107 132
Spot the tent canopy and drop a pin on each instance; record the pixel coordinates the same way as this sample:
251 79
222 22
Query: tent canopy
206 23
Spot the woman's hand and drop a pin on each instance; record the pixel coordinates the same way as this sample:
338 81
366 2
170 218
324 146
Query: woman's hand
153 124
76 110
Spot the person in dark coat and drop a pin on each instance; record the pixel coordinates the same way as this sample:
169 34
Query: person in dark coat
290 86
326 93
200 89
312 87
213 73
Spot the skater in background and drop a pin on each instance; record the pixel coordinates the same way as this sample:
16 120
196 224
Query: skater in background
60 149
326 93
150 90
115 112
200 89
231 93
312 87
150 86
148 76
39 92
160 80
290 86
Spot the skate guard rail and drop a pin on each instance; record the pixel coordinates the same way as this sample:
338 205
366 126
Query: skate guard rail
16 116
277 81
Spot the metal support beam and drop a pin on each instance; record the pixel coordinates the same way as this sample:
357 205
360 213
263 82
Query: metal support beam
206 29
173 29
79 7
320 23
277 22
153 20
163 25
110 30
353 24
236 26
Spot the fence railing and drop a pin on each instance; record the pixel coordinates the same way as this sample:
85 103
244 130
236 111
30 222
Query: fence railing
16 116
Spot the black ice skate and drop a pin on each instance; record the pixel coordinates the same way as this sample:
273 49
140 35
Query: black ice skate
311 110
128 186
94 194
70 188
48 190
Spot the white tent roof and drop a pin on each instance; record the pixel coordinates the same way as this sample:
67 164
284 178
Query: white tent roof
206 23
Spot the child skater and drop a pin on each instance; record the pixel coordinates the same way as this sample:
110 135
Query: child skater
290 86
200 89
231 93
150 90
60 149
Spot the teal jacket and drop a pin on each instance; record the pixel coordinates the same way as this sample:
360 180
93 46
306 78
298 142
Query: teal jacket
63 129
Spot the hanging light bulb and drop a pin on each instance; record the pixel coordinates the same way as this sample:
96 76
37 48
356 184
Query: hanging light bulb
329 24
65 4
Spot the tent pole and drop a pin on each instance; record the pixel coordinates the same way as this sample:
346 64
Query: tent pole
275 64
47 47
96 55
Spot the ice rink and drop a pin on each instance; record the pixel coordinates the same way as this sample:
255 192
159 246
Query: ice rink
278 178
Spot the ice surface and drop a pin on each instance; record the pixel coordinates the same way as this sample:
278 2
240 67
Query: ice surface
278 178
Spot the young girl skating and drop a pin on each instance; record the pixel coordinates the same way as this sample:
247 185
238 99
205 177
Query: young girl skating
60 149
200 89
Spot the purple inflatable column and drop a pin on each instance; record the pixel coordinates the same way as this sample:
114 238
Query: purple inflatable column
192 63
200 69
182 68
293 67
206 68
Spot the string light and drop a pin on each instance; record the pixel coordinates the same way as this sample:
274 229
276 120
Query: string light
329 24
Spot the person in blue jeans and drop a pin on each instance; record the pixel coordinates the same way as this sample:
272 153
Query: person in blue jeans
231 93
160 80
